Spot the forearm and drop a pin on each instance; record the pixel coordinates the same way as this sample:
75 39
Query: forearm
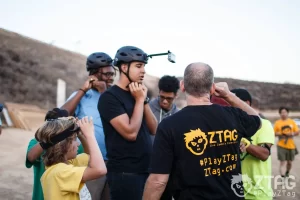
150 119
153 190
236 102
71 105
84 143
259 152
34 153
96 159
136 119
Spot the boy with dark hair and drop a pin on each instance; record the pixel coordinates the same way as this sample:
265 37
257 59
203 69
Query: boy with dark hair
163 105
256 159
127 123
286 128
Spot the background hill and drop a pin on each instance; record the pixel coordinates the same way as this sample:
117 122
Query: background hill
29 70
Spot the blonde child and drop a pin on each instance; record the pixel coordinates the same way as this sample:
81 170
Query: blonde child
66 172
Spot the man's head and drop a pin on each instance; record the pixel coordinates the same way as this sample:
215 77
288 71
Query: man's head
198 80
284 112
131 63
168 87
100 65
243 94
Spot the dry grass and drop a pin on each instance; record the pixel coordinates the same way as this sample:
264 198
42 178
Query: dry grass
29 70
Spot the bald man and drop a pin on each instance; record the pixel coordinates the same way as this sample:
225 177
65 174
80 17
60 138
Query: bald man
198 147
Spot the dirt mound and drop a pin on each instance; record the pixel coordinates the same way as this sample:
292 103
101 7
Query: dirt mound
29 70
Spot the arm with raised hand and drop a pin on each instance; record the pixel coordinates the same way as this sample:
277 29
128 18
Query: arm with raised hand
127 127
71 104
96 167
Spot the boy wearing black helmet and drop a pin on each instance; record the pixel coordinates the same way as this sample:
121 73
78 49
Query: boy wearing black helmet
128 122
84 103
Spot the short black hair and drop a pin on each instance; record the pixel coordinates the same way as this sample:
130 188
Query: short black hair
168 84
56 113
283 108
243 94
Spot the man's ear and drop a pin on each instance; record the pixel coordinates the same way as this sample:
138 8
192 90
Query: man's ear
182 86
212 89
124 67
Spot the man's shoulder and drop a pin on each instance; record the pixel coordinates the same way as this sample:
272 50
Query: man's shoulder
176 118
107 94
278 121
112 91
266 127
291 120
266 132
265 122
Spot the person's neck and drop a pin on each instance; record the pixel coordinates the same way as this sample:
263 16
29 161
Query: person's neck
123 84
166 109
198 101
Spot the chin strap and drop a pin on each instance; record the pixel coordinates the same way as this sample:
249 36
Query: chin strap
127 74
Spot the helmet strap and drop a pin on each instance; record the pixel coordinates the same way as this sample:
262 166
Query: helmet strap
127 74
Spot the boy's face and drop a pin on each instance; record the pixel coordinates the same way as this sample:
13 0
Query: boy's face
166 99
284 114
72 152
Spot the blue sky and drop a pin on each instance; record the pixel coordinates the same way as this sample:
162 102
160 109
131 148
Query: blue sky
251 40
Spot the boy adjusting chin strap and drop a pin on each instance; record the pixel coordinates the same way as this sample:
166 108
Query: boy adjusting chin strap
60 137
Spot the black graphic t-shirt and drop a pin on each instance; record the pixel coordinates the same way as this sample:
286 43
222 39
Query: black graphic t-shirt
123 155
199 147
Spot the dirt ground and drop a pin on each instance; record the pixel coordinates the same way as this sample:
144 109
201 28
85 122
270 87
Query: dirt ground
16 180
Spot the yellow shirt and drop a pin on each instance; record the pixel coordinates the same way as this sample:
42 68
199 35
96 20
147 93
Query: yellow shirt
63 181
286 127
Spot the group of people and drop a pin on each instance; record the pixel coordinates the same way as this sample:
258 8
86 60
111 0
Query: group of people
110 141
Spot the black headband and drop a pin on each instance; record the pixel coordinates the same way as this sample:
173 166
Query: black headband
60 137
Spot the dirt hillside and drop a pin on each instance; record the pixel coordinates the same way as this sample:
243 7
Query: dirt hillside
29 70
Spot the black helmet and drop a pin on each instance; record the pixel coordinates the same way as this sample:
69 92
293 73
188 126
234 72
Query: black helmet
129 54
98 60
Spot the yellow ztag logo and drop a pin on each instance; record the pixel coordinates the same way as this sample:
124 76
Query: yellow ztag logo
196 141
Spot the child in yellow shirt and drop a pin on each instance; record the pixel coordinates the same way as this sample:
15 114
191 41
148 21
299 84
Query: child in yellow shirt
66 172
286 129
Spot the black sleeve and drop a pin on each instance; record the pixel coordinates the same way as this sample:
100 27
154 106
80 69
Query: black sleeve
249 123
109 107
163 151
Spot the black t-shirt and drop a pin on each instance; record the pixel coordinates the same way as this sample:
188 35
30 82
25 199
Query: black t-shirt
123 155
199 147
